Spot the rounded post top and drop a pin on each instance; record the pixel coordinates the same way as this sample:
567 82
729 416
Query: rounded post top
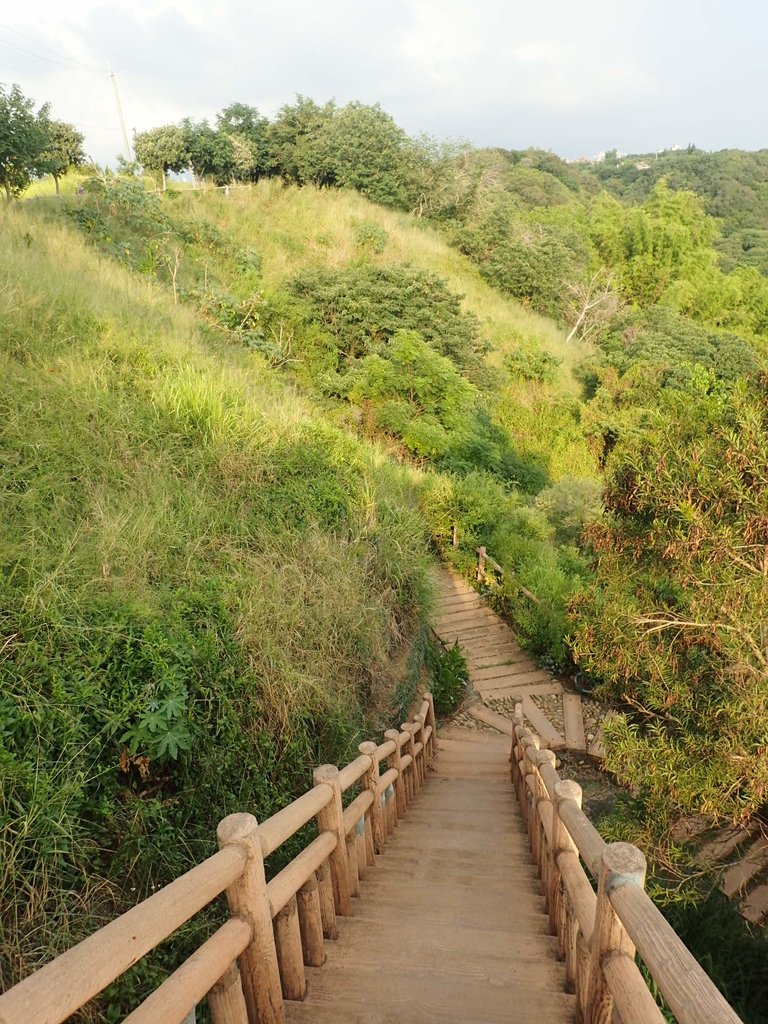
392 734
623 864
237 830
328 773
407 726
546 757
568 790
368 747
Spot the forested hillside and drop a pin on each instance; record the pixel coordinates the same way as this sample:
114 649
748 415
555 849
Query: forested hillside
237 422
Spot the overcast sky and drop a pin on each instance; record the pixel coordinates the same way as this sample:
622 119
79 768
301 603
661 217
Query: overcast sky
574 76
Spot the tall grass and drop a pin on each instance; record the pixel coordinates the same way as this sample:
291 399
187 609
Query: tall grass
184 538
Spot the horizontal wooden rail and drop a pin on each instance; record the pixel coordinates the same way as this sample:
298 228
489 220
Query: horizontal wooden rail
287 883
353 772
356 810
599 932
56 991
276 927
172 1002
281 826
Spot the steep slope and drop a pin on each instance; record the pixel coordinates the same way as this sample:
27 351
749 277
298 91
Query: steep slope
202 584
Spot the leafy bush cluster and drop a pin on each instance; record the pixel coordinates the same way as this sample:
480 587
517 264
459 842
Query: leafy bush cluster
449 675
681 580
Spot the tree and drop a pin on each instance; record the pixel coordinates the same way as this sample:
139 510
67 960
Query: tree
63 150
210 151
294 153
23 138
675 620
368 152
248 132
650 247
162 149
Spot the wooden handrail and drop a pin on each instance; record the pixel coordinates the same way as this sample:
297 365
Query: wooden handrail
275 926
598 932
484 558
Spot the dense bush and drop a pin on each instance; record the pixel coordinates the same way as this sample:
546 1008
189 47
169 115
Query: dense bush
674 622
364 307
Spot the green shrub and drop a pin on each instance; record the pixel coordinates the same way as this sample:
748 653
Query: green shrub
449 676
363 307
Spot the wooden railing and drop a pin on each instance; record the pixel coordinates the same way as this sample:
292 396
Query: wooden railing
256 959
600 932
484 560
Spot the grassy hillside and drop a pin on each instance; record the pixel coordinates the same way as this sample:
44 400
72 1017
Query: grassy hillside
203 583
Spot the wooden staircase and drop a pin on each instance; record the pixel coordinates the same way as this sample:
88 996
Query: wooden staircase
451 928
499 668
450 880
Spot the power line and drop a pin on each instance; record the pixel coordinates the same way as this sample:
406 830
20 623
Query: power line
52 60
42 46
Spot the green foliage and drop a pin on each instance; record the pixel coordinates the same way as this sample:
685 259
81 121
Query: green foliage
281 565
524 257
370 238
650 247
675 618
448 677
63 150
364 307
162 149
248 134
538 365
24 137
570 505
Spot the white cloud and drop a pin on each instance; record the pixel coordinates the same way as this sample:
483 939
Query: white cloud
573 77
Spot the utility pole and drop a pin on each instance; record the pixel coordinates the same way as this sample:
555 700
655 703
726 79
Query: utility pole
126 143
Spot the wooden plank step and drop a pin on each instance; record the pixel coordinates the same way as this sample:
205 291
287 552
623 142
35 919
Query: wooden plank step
721 846
517 668
535 689
517 682
508 654
550 737
459 605
574 723
736 878
481 617
597 747
490 631
755 906
492 718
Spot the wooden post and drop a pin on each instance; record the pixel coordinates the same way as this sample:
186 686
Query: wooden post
561 842
311 923
546 852
431 721
480 565
226 1000
372 785
289 953
370 857
331 819
327 906
248 898
422 761
354 873
362 857
412 775
390 810
393 761
622 864
455 535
